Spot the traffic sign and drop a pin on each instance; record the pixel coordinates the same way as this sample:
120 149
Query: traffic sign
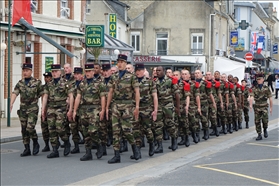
249 56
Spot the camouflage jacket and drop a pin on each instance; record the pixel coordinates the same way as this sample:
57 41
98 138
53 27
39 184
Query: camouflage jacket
204 91
57 92
71 81
215 92
124 86
147 88
193 93
261 95
91 93
30 93
166 90
246 93
237 91
231 89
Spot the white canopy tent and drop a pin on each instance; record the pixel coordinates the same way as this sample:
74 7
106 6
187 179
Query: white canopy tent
227 66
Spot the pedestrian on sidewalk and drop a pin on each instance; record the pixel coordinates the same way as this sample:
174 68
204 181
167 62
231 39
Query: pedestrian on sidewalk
270 80
276 86
30 90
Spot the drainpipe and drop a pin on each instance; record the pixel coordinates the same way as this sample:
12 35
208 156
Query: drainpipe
209 42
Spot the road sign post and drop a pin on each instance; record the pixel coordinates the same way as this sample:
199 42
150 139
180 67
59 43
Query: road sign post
248 57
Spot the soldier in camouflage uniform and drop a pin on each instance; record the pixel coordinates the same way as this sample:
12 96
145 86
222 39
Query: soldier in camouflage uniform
44 125
237 94
166 88
30 90
148 109
212 111
245 103
91 99
57 92
205 94
239 97
75 124
123 88
260 94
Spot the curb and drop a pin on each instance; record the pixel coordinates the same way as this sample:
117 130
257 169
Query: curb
14 138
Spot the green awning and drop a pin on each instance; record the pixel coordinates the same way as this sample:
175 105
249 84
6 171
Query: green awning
41 34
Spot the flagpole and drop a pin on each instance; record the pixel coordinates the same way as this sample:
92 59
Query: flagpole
9 61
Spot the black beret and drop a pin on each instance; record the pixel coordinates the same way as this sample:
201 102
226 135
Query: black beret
27 65
47 74
55 67
139 66
122 57
78 70
89 66
106 66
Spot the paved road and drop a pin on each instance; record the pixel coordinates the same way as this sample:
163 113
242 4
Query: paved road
38 170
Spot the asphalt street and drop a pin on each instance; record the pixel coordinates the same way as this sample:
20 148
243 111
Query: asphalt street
169 168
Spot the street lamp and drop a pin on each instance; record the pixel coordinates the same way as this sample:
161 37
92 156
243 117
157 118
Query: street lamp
116 52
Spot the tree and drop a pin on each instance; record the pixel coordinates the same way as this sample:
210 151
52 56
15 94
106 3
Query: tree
95 51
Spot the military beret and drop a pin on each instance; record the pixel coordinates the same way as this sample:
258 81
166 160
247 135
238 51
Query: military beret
260 75
122 57
55 67
89 66
106 66
78 70
27 66
139 66
47 74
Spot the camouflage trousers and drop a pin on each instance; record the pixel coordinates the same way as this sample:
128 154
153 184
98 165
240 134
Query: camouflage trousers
221 114
89 120
143 125
28 117
229 113
192 119
56 119
183 122
165 118
234 113
261 115
239 115
212 115
76 127
246 112
204 115
105 128
122 123
45 131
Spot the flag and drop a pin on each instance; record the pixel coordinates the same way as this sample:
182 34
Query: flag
22 9
260 44
253 41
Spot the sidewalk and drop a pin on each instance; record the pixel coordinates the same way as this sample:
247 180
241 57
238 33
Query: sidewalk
13 133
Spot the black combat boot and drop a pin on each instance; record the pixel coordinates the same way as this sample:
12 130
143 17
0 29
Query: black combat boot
213 133
239 125
104 150
224 129
123 146
159 148
142 142
100 152
216 131
81 141
165 134
247 124
187 141
173 143
133 157
151 149
36 147
259 137
109 140
116 158
265 133
136 152
54 154
46 148
27 151
218 122
182 142
87 156
235 126
67 148
94 146
230 128
198 136
76 149
195 138
205 134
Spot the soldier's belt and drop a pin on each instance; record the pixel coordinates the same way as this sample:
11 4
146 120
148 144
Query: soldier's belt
123 101
57 103
261 104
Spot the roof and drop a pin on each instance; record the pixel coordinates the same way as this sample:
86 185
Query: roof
118 7
244 4
113 43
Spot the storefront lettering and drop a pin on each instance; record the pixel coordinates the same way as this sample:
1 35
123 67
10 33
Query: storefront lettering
147 59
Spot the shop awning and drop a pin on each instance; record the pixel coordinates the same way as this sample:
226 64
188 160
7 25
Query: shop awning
52 42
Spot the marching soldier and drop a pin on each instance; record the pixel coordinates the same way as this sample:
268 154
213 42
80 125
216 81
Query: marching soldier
91 98
234 107
123 87
245 103
166 89
44 125
239 97
56 92
30 90
260 94
148 109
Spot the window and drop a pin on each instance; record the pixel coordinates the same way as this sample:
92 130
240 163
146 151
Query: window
87 9
34 6
135 41
197 43
162 44
65 11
